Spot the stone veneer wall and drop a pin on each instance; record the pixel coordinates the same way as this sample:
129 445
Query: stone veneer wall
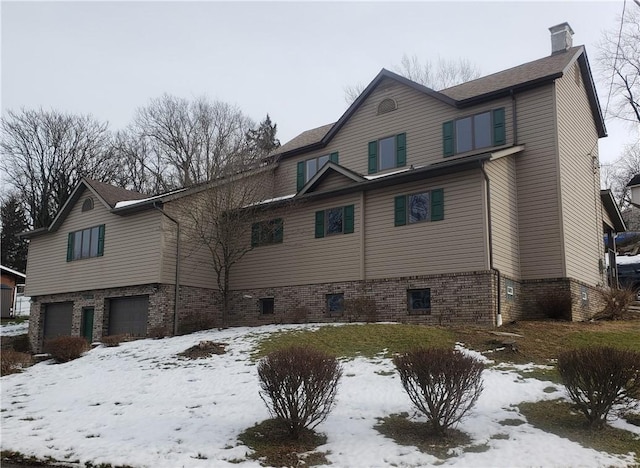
462 298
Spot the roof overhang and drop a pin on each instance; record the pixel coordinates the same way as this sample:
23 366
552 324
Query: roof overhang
611 207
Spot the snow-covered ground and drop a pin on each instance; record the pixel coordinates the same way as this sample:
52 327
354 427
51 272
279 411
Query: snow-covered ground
139 404
13 329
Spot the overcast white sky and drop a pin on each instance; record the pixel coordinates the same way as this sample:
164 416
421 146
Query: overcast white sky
290 59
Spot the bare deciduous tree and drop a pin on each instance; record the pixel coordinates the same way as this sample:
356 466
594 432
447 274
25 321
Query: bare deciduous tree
142 169
46 153
620 63
438 75
192 139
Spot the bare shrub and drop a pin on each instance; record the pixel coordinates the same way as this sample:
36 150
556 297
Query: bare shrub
111 341
12 361
443 384
555 305
361 308
299 386
158 333
299 314
599 377
66 348
616 303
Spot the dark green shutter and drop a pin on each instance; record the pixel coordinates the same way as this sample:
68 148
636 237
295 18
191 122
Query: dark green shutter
300 176
70 247
255 234
499 137
400 206
348 219
278 234
447 138
437 205
333 157
319 224
101 240
401 150
373 157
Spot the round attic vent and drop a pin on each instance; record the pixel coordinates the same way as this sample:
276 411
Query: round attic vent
387 105
87 205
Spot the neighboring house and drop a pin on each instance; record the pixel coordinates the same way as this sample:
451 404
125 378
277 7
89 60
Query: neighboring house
10 280
466 205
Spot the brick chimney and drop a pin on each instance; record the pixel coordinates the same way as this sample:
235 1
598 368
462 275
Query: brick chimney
561 37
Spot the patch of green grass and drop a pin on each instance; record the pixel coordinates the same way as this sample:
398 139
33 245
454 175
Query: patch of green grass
366 340
617 339
545 374
273 446
560 418
420 434
9 321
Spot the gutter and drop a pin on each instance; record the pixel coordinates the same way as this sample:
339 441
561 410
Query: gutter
491 266
177 275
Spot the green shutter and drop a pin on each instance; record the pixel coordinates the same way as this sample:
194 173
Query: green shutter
70 247
401 150
278 234
447 138
499 137
437 205
348 219
255 234
400 206
101 240
319 224
333 157
373 157
300 176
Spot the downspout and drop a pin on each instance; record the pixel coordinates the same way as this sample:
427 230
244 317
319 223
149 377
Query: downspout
491 267
177 298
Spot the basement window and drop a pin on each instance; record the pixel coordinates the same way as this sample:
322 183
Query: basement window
267 305
419 301
335 304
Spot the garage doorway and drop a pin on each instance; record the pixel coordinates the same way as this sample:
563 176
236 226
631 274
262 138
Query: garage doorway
128 315
57 319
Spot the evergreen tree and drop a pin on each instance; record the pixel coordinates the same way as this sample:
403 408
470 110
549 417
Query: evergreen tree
262 140
14 221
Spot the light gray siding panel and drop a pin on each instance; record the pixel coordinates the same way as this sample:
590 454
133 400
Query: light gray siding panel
454 244
540 235
580 181
132 252
418 115
301 258
333 181
504 215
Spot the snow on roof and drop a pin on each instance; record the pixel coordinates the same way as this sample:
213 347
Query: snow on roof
386 174
124 203
271 200
627 259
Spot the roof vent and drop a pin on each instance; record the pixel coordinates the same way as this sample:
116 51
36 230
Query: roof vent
561 37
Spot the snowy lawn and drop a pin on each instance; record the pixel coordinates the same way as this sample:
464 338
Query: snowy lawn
140 404
14 328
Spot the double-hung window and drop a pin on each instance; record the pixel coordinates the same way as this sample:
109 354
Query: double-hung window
309 167
474 132
418 207
337 220
387 153
86 243
267 232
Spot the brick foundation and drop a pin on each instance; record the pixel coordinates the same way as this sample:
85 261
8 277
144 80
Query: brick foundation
456 299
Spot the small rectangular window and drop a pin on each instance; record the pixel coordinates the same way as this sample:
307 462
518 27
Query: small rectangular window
464 137
93 246
334 221
313 165
339 220
474 132
312 168
387 153
335 303
419 207
267 306
419 301
482 130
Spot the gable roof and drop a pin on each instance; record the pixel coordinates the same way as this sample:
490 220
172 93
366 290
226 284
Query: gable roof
326 170
520 78
611 207
111 194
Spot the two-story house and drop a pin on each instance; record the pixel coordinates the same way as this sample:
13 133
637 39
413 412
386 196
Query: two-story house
465 205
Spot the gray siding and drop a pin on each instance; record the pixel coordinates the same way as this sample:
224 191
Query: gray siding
504 215
579 180
132 252
541 248
418 115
